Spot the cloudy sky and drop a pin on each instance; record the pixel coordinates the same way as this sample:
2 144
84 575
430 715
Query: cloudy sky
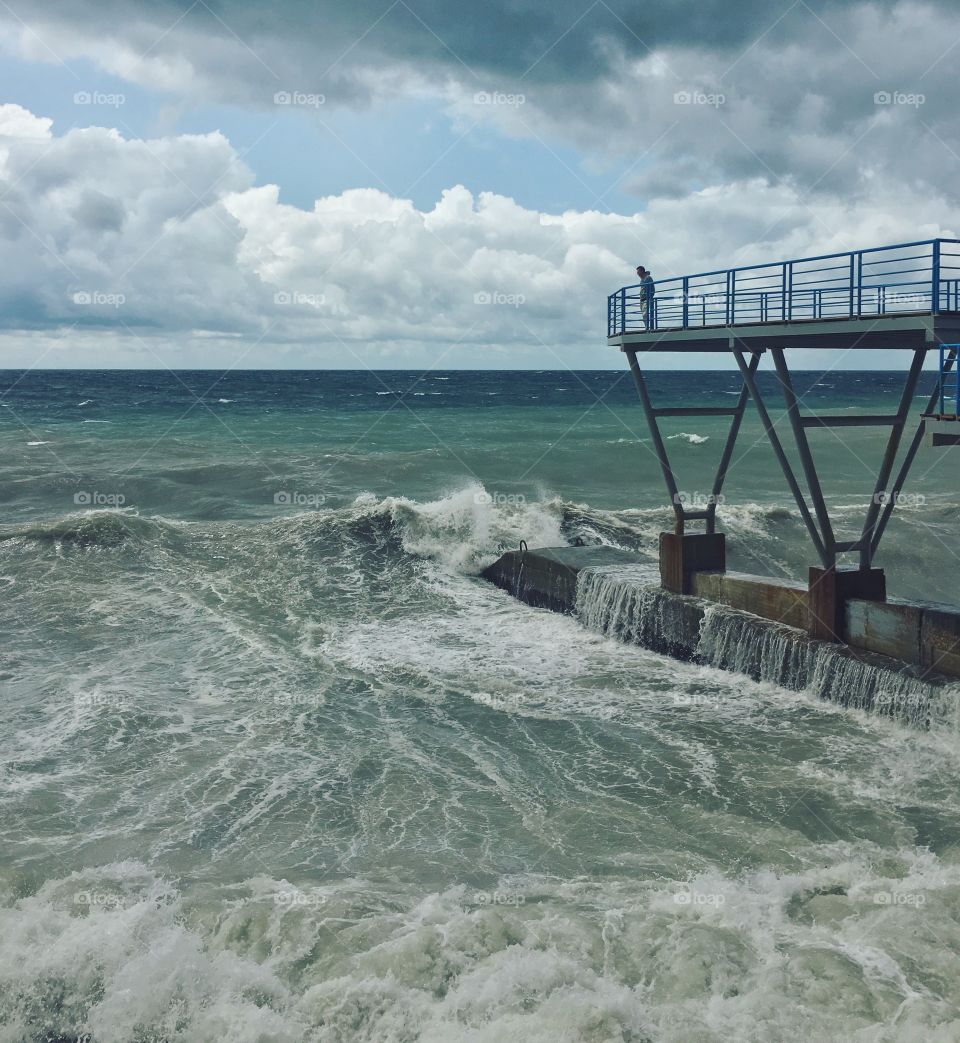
417 183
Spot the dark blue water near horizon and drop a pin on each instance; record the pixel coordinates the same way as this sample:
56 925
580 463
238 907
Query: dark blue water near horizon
365 389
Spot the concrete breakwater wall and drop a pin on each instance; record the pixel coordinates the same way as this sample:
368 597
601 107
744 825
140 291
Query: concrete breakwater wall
735 622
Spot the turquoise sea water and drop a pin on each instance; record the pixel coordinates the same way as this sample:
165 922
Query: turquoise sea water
278 765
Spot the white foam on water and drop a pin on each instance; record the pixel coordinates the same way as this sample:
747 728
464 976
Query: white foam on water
484 710
857 949
467 528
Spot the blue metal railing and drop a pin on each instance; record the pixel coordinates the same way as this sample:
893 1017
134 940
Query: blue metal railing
909 277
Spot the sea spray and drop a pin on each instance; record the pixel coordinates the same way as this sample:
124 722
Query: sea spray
625 603
770 651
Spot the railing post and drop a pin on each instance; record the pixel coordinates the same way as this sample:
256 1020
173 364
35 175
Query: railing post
957 401
686 297
789 267
851 284
731 296
935 279
623 310
859 283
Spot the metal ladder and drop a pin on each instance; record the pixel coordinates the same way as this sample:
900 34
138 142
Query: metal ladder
947 356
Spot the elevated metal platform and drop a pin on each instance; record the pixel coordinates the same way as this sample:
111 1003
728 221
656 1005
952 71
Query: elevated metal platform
903 296
870 333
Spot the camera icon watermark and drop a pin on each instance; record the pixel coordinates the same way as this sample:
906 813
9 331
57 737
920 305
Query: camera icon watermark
499 98
508 702
291 899
698 898
106 98
491 898
98 899
698 500
900 499
713 99
894 898
306 699
498 499
99 298
299 99
96 699
907 98
513 300
283 498
696 699
95 498
295 297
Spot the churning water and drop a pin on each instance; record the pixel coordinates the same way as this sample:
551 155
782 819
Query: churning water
278 766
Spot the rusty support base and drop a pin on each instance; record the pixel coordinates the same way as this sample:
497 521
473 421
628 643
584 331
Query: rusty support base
829 591
682 556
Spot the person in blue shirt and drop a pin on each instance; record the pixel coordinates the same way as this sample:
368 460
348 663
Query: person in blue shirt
646 295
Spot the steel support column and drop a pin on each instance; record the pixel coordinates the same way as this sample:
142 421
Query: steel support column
806 458
915 442
658 447
889 458
681 514
747 373
728 446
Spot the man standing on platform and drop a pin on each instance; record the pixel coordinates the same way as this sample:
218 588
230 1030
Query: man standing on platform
646 295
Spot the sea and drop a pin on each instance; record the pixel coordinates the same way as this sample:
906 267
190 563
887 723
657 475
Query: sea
278 764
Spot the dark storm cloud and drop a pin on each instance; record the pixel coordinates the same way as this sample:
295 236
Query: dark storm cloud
690 93
561 42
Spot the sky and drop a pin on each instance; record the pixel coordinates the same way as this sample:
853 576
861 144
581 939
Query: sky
412 183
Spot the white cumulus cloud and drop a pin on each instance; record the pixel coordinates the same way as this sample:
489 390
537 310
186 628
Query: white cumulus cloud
167 249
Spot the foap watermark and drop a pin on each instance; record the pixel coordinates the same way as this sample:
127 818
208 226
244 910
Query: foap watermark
98 899
111 100
907 898
499 499
699 898
96 498
298 499
698 500
513 898
917 300
100 700
713 99
99 298
696 699
900 499
907 98
300 99
513 300
289 899
506 701
308 699
295 297
513 101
